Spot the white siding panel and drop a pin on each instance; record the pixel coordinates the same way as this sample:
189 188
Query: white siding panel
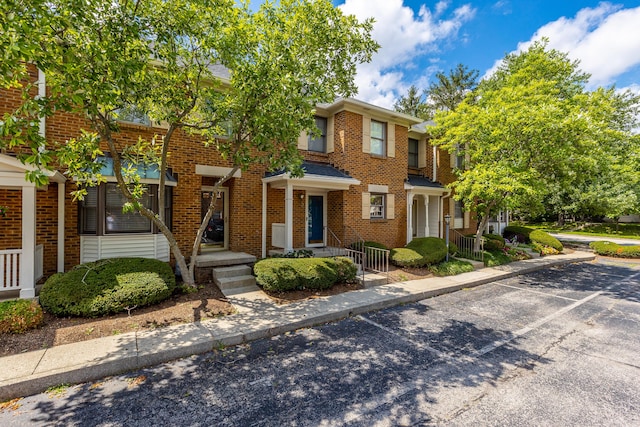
93 248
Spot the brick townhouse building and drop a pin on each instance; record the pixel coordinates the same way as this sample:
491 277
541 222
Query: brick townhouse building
371 173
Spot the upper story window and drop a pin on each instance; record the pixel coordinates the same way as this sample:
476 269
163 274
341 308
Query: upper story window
377 206
413 153
132 114
319 143
378 138
458 162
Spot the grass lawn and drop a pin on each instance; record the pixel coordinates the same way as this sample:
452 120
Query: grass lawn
629 231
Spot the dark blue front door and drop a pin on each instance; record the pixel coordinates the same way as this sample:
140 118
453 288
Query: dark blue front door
315 225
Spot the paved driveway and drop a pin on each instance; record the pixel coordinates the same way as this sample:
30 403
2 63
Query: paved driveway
556 347
583 238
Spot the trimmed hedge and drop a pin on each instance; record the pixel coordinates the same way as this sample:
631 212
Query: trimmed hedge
493 242
286 274
405 257
17 317
530 235
107 286
615 250
431 250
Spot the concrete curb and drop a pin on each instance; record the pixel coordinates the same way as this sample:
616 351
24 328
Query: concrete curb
86 361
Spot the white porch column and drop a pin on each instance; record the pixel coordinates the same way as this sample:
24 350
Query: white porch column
60 227
288 218
426 216
264 219
27 258
409 216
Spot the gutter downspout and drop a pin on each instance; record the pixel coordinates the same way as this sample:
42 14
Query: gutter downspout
435 166
264 219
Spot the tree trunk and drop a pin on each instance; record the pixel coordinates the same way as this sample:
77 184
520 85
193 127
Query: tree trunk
481 226
560 219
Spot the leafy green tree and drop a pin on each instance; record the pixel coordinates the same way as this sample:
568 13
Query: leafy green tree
413 103
530 125
449 90
158 58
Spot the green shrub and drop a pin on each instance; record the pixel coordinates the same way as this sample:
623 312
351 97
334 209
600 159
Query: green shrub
432 249
520 233
453 248
284 274
451 268
494 258
107 286
493 242
17 317
530 235
405 257
545 239
300 253
615 250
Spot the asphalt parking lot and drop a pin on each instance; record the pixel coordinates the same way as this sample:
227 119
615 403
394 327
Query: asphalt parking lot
555 347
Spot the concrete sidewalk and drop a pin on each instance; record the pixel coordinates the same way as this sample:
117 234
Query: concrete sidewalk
258 317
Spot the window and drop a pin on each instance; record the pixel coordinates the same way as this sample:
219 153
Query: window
378 138
132 114
458 215
413 153
101 211
319 143
458 162
377 206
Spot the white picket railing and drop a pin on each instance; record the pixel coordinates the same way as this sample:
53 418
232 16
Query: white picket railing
9 269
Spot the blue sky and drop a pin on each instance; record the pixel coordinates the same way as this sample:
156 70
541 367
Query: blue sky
419 38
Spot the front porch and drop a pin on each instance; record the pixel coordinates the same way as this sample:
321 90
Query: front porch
21 258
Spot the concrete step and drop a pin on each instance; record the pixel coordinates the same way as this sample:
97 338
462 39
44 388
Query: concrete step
372 279
243 290
227 283
231 271
221 259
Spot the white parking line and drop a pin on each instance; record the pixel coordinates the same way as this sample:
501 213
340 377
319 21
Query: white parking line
536 292
534 325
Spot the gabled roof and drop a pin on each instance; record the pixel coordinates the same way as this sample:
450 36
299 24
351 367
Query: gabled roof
421 181
316 175
422 185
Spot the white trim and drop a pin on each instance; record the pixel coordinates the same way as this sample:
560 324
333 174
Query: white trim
429 191
27 259
17 169
61 192
288 218
264 220
374 188
206 170
311 181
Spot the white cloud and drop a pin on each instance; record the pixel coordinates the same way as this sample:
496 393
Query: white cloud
402 35
605 39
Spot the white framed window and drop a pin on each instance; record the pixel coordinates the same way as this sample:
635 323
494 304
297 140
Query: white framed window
458 215
378 138
377 206
132 114
413 153
319 143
